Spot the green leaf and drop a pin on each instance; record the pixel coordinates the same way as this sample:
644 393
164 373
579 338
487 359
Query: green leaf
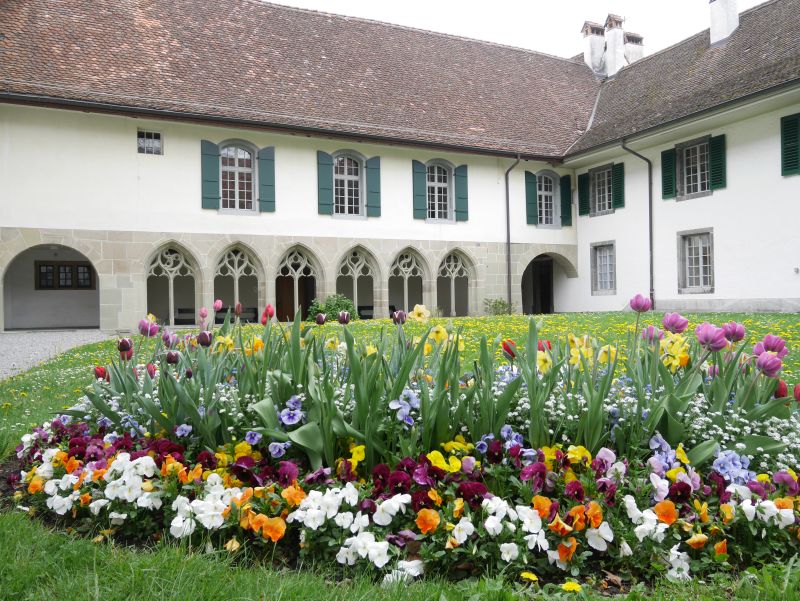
700 454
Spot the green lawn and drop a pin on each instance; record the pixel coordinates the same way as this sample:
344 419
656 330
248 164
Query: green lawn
36 563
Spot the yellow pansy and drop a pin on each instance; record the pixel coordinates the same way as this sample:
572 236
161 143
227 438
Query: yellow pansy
569 475
458 444
763 478
702 510
243 449
579 454
550 455
673 473
357 455
680 453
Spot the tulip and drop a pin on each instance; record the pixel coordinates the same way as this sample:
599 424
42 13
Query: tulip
188 374
544 343
797 392
399 317
172 357
782 391
203 313
218 305
268 314
675 323
640 303
169 339
321 317
124 345
713 371
344 317
771 344
148 328
652 334
769 364
204 338
711 337
509 349
151 370
734 332
237 310
100 372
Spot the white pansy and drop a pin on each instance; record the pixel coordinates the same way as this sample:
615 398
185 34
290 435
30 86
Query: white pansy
363 542
344 520
616 472
350 494
117 518
379 553
60 505
181 505
96 506
149 500
530 520
414 567
143 466
538 540
634 514
360 522
51 487
314 518
625 549
181 526
463 530
554 559
347 555
748 509
509 551
330 502
598 538
679 565
493 525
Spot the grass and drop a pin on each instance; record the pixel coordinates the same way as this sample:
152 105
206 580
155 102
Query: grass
36 562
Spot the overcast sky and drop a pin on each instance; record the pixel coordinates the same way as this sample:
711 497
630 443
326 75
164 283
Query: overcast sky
552 27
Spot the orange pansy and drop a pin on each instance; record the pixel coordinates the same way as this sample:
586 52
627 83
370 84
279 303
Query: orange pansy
451 543
566 549
246 518
428 520
578 515
72 464
36 485
666 512
595 514
293 495
697 541
784 503
727 513
86 498
721 548
274 529
97 474
192 475
435 497
458 511
243 498
542 506
702 510
559 526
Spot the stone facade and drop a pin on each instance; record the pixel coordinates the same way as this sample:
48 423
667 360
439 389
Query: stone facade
122 258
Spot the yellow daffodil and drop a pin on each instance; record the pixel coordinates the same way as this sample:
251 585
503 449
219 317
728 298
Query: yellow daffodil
438 334
607 354
370 350
544 362
458 341
419 313
331 344
224 343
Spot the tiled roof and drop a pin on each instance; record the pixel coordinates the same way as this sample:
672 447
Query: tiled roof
691 77
274 65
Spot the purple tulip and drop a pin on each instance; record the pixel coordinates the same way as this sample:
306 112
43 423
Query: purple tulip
771 344
675 323
188 374
641 303
204 338
769 364
652 334
321 317
237 310
218 305
148 328
734 332
713 371
124 345
344 317
399 317
170 339
172 357
710 337
203 313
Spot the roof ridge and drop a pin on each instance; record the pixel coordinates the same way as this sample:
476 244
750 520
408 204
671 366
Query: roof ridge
410 28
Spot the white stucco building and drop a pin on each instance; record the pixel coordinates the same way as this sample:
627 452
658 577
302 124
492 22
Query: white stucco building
155 156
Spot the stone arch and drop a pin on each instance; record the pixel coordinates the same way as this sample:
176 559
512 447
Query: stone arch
238 277
456 284
408 277
298 279
357 277
537 281
174 284
50 286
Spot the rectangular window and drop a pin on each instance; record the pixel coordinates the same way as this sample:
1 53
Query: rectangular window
346 186
545 193
696 262
693 168
438 192
601 190
604 268
148 142
63 275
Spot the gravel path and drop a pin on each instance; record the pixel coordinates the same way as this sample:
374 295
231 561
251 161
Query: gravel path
20 351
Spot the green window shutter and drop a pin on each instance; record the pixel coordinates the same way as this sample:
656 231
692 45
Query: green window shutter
565 185
583 194
668 178
266 180
618 185
209 174
716 162
462 193
420 173
790 144
324 183
531 208
374 187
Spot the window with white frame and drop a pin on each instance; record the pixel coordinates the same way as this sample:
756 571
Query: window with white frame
237 178
438 191
696 257
695 171
148 142
347 186
604 277
546 202
601 190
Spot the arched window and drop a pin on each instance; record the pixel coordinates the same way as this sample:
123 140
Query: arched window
453 286
355 280
405 282
237 177
295 285
545 189
438 189
347 188
170 288
236 281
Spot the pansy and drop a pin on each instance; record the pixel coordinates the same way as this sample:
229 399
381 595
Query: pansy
598 538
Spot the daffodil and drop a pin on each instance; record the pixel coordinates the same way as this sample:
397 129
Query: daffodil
438 334
224 343
607 354
420 314
544 362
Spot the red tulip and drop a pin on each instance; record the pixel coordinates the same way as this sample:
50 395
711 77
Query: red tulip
100 372
126 355
268 314
151 370
509 349
797 392
543 343
782 391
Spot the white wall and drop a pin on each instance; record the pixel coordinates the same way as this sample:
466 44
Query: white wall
68 169
754 221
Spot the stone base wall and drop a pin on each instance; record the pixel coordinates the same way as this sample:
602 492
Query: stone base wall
122 258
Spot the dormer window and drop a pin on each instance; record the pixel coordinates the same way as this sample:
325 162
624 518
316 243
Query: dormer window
237 177
347 188
438 191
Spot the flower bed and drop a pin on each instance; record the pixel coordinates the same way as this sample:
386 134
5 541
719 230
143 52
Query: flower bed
668 455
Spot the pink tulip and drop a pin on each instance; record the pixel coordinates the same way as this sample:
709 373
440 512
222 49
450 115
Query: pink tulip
640 303
218 305
675 323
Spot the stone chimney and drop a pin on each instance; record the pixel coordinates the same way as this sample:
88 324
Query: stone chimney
724 20
607 48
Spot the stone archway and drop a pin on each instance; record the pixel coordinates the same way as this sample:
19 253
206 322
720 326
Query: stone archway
406 281
295 283
356 280
453 285
171 287
236 281
537 286
50 286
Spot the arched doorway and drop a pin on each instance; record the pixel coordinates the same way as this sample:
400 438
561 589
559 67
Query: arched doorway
236 281
406 278
295 284
50 286
356 280
171 288
537 286
452 286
